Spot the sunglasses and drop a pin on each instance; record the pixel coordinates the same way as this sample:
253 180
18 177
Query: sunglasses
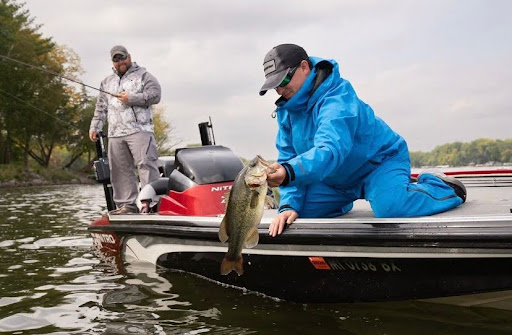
118 58
288 77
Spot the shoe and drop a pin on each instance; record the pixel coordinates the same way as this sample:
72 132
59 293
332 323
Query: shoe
457 185
123 210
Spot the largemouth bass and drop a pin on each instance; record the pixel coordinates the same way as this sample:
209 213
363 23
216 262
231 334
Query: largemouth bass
243 214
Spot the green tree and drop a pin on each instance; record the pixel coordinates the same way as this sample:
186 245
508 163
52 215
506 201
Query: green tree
37 108
14 27
21 41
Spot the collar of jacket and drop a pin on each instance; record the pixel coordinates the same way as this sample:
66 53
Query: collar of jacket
313 87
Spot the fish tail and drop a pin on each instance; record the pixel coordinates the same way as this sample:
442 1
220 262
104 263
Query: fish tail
229 265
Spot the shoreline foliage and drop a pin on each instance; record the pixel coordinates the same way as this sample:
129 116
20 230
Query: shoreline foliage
479 152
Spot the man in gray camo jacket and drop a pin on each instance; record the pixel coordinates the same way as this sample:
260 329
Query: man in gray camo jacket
130 127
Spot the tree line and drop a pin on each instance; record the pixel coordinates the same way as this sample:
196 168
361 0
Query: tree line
478 152
45 118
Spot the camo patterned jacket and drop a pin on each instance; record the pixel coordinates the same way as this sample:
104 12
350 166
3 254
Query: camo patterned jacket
136 116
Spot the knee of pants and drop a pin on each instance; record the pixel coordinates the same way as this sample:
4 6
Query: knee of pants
148 165
389 205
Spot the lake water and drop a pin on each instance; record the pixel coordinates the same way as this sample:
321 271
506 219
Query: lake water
52 282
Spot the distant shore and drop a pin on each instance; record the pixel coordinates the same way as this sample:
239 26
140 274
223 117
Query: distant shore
25 183
32 178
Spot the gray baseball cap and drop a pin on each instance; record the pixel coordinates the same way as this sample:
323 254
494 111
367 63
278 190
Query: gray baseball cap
118 50
278 62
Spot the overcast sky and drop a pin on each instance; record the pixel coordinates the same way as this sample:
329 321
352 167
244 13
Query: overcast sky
435 71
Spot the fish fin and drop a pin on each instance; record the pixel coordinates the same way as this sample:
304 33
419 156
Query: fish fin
223 233
254 199
232 265
253 239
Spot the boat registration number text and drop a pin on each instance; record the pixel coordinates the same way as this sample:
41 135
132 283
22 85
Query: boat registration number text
321 263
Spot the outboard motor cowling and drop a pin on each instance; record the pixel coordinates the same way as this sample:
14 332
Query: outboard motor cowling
209 164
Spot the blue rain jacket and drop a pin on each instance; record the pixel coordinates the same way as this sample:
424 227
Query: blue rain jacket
331 136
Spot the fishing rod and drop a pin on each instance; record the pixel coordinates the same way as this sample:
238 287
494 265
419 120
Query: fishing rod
55 74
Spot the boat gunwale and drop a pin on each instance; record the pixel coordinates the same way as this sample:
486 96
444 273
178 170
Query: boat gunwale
492 234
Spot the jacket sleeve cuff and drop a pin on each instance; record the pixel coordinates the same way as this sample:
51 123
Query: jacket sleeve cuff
290 174
284 208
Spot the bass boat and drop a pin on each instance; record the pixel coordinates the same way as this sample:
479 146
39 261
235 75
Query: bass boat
356 257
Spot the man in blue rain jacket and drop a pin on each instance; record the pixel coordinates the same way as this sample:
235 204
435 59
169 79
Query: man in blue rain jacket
333 150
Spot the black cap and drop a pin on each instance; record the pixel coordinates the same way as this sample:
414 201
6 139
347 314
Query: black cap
278 62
